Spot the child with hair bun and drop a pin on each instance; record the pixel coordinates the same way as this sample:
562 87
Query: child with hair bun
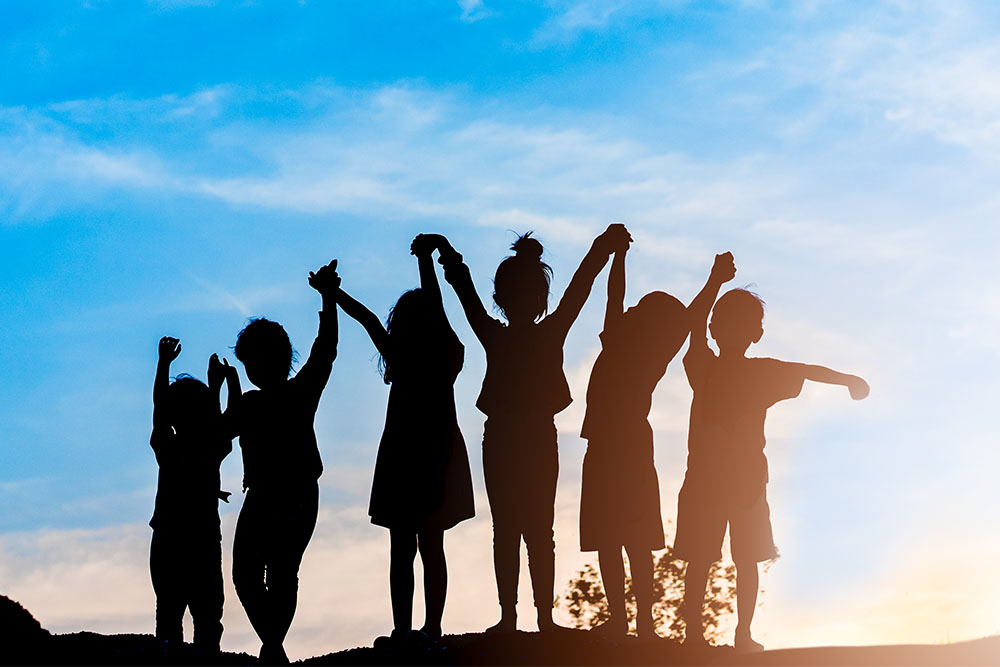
524 388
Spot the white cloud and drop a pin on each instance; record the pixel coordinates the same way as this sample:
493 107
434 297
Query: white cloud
473 10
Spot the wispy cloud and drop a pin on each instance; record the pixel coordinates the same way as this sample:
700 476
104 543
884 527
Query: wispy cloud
473 10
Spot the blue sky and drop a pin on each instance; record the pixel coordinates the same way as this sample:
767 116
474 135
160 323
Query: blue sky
176 167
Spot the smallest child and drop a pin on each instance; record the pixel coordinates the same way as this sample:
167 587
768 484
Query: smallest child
185 555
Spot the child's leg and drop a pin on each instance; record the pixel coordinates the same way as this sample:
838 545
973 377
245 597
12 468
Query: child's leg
502 490
431 544
640 563
612 567
164 570
207 595
695 581
747 584
249 564
403 551
291 536
537 515
751 542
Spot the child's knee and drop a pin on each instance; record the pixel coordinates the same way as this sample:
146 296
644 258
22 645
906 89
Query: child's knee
540 540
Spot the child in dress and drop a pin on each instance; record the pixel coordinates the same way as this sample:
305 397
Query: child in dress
422 484
620 499
523 390
185 556
281 466
726 478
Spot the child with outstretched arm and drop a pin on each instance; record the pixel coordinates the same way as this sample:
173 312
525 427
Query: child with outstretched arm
185 555
726 478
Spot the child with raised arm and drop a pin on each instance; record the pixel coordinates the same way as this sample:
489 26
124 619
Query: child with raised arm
185 555
726 479
524 388
281 466
620 497
422 484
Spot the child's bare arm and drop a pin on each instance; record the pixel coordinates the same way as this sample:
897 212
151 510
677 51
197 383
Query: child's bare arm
422 248
235 392
316 370
616 289
858 388
216 376
723 270
167 351
457 273
610 241
366 318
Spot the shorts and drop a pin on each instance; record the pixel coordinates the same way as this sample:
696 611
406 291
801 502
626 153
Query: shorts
702 517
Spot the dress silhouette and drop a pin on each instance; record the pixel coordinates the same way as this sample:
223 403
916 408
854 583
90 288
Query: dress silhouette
422 484
522 391
726 478
185 555
281 466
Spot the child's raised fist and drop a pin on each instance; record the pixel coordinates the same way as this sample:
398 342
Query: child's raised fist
325 280
724 269
169 348
859 388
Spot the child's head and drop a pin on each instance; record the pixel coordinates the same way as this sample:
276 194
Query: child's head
737 320
266 352
521 284
657 324
189 403
414 335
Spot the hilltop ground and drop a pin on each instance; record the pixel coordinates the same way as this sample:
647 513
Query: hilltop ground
24 641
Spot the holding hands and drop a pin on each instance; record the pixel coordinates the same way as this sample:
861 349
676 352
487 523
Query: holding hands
425 244
615 238
325 280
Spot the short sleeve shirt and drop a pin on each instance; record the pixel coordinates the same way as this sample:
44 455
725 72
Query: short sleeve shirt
731 398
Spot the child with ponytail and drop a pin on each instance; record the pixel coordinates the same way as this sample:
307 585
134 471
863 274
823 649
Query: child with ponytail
524 388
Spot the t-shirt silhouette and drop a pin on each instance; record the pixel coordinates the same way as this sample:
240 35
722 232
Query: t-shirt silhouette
726 435
187 489
275 424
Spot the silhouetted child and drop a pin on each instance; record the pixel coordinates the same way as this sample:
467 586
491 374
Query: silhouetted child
726 479
523 389
281 466
620 498
422 484
185 556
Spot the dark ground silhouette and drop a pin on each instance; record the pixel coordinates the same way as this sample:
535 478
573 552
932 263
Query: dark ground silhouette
24 641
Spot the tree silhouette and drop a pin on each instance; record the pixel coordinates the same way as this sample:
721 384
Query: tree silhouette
587 605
